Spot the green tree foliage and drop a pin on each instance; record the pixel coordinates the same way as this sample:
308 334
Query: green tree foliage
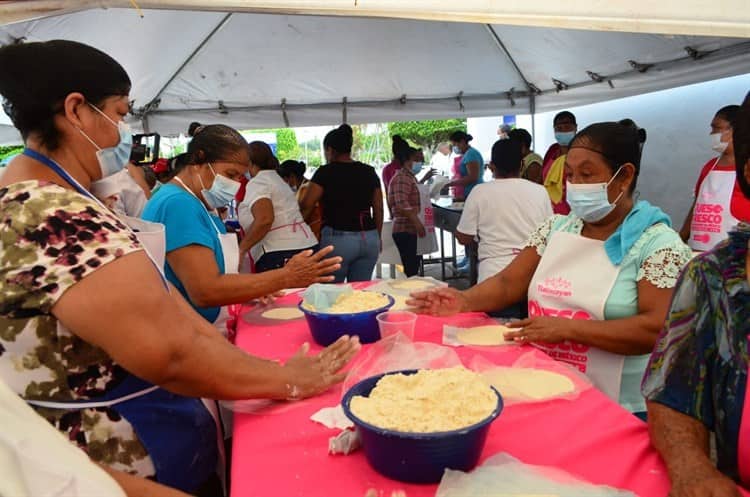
286 144
427 134
7 151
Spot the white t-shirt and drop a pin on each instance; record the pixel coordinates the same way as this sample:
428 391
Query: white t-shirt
288 231
129 197
443 163
503 214
37 460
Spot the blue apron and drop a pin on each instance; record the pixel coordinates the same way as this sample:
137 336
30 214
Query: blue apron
179 433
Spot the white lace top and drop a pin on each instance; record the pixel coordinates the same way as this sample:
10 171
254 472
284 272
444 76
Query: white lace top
659 255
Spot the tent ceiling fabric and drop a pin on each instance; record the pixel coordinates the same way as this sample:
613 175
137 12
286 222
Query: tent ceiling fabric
237 68
725 18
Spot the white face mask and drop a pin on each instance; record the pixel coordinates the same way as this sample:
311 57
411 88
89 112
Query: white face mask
113 159
716 144
222 191
590 201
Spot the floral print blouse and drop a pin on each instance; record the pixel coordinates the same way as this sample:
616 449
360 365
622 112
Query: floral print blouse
699 365
50 239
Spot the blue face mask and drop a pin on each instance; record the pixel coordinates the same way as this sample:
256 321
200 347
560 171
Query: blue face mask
564 138
222 191
248 176
590 201
113 159
416 167
456 150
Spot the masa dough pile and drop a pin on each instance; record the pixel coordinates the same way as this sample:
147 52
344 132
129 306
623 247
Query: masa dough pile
528 383
484 335
356 301
432 400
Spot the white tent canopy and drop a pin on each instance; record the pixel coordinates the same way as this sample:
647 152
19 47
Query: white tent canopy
253 70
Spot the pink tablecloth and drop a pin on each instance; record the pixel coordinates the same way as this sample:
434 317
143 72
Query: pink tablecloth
280 452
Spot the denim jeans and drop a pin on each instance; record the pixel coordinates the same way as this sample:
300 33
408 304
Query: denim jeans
358 249
278 259
407 248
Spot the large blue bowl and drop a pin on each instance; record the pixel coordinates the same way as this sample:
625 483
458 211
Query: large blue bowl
327 328
418 457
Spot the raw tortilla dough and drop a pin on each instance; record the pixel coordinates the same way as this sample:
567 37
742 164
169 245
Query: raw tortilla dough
283 313
529 383
484 335
412 285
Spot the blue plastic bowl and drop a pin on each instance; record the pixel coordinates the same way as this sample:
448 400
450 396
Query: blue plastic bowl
327 328
418 457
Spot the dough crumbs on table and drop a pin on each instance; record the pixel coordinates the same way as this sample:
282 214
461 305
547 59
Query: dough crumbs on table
431 400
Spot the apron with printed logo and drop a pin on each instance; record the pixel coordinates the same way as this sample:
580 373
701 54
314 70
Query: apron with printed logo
178 432
573 280
712 215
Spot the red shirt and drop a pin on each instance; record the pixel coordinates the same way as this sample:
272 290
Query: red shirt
739 205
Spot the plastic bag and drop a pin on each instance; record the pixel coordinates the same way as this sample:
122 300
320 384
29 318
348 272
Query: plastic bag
397 353
505 379
398 289
504 476
450 332
322 296
438 183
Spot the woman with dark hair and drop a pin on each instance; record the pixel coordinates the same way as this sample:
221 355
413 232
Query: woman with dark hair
531 165
599 280
471 166
193 128
94 339
352 201
404 204
719 203
293 172
390 169
697 380
274 229
202 258
553 170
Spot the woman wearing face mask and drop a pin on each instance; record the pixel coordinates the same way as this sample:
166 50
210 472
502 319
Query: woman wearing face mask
202 259
719 203
94 339
599 280
472 164
270 216
404 204
352 206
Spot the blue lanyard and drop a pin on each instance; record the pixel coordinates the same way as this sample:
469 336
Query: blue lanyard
59 171
80 189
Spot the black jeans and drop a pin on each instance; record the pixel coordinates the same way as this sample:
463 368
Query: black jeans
407 248
277 259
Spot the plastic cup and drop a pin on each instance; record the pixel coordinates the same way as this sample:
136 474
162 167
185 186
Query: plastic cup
392 323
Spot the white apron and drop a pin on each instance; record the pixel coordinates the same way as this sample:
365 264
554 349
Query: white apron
427 244
152 237
573 280
712 216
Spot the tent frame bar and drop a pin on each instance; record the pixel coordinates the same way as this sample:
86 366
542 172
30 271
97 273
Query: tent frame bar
154 103
739 49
